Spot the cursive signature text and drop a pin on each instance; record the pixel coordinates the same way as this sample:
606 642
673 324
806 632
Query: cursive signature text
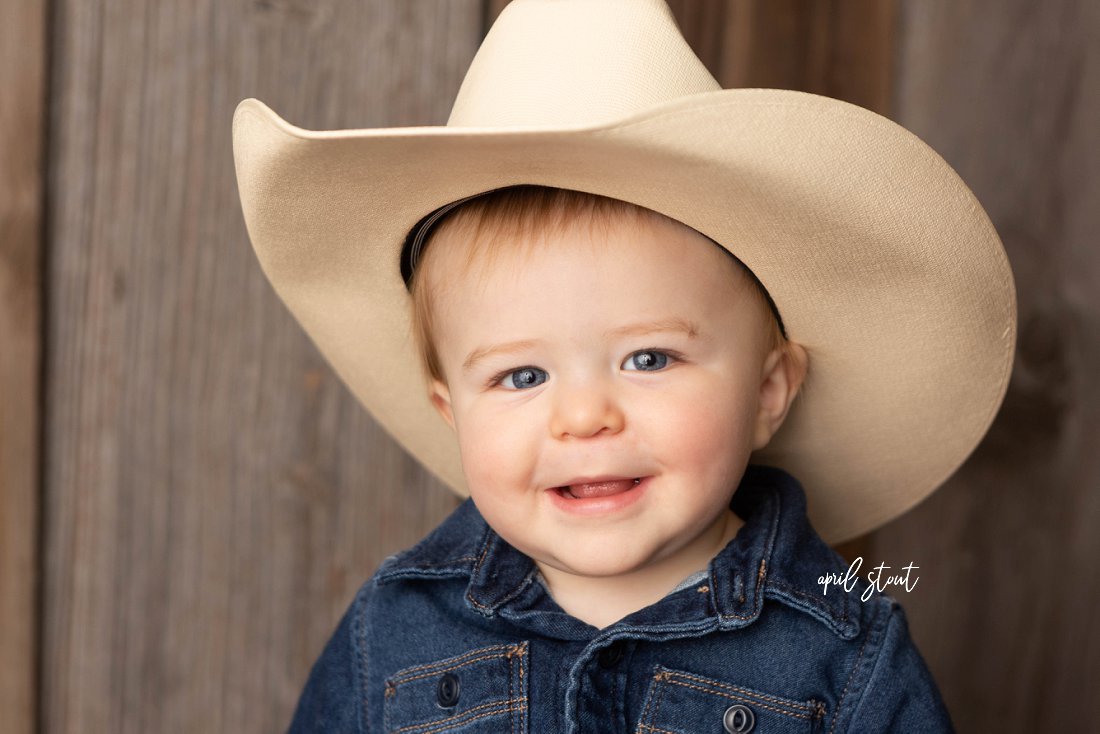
878 578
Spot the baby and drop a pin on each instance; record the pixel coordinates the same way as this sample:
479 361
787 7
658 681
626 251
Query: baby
607 371
631 312
619 566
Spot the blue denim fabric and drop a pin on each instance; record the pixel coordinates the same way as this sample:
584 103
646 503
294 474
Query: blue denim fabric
457 635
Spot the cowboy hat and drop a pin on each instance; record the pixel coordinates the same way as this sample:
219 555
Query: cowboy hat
881 261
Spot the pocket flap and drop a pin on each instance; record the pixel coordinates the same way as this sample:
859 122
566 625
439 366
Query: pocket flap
483 690
680 702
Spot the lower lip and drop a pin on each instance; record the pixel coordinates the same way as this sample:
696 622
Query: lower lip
599 505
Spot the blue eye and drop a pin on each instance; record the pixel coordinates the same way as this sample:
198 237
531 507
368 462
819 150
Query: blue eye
647 360
523 378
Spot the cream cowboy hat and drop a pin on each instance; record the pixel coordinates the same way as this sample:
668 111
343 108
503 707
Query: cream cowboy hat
881 261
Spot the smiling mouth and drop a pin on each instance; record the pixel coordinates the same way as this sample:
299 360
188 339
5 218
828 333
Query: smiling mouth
598 489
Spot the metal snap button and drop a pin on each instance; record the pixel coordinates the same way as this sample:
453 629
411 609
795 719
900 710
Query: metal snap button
738 719
446 693
611 655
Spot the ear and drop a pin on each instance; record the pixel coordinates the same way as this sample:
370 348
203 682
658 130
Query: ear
440 396
782 377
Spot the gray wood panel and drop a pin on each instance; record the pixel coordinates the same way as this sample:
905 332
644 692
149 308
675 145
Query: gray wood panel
22 217
214 495
1009 593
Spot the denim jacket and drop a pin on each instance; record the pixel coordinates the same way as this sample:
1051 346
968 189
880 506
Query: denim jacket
456 634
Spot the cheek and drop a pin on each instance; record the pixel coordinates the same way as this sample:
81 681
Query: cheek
700 427
495 452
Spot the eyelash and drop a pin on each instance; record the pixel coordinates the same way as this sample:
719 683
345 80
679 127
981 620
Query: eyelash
673 357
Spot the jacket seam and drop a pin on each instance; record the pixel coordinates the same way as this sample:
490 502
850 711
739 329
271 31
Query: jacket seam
361 672
882 630
792 596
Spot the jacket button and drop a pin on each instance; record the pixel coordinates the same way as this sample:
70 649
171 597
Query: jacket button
738 719
447 692
611 655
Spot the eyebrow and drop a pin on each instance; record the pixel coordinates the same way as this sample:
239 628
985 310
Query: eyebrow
639 329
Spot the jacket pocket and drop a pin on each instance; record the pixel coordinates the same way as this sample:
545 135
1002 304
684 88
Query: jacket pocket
483 690
679 702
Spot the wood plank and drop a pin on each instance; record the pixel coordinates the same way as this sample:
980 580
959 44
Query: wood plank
215 495
22 216
839 48
1009 595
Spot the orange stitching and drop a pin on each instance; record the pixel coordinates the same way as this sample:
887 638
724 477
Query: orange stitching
519 652
703 589
743 691
661 696
477 568
433 673
522 655
450 662
511 691
507 709
508 706
650 696
757 601
481 558
475 602
747 699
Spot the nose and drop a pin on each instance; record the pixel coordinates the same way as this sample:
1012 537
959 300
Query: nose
583 411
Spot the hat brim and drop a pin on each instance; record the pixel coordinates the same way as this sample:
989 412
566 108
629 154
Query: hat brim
879 258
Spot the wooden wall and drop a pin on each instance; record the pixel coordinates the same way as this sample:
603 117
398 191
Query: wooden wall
1008 91
23 63
211 496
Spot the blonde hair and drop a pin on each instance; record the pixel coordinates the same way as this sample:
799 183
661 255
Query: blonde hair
518 217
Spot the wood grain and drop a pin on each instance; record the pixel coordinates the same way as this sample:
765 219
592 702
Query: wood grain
215 495
23 92
1009 94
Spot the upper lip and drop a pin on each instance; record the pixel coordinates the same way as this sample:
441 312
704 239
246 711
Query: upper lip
593 480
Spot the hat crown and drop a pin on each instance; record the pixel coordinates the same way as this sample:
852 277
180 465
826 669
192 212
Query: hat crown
577 62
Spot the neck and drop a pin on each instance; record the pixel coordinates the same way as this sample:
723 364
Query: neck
604 600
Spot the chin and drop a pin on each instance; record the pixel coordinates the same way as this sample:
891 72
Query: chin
599 566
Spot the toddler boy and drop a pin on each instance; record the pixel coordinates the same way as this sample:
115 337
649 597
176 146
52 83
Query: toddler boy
624 309
608 372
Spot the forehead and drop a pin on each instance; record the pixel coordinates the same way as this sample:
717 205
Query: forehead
584 274
633 243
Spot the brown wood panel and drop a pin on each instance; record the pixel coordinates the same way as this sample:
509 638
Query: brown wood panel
1009 93
22 216
214 494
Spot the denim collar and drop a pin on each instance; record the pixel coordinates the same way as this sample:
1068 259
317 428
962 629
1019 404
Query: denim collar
775 555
